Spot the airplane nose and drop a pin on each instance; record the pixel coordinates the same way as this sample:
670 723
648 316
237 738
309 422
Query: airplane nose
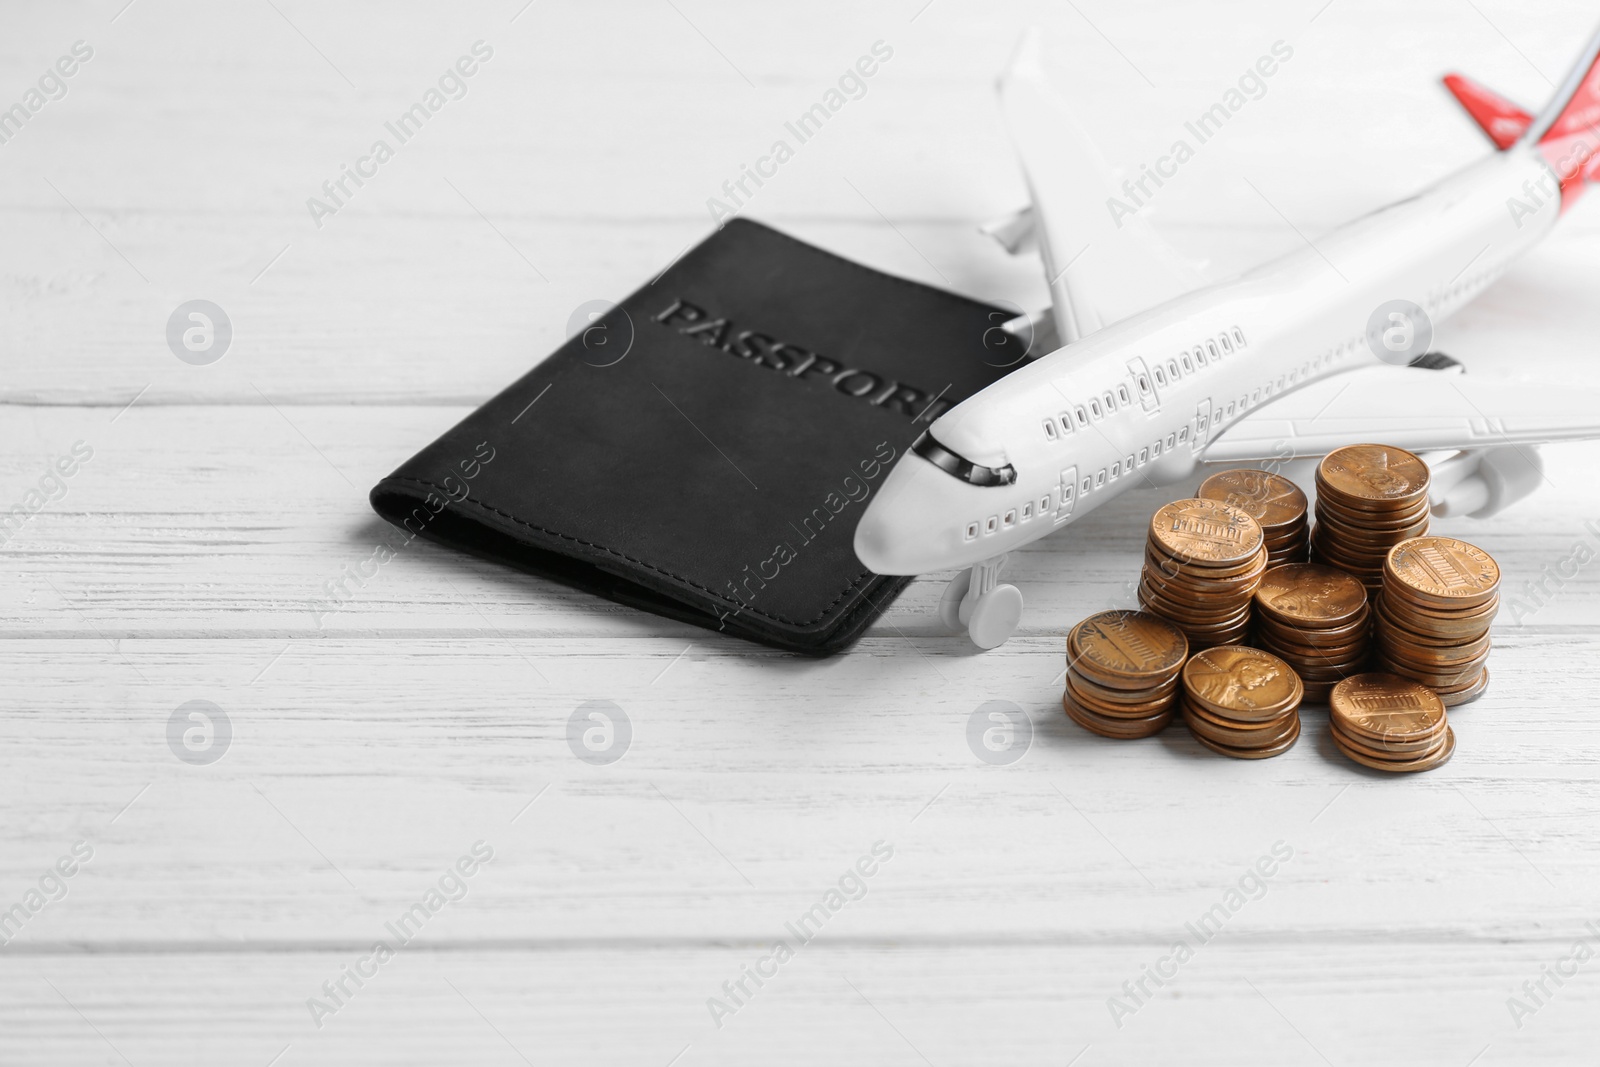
876 538
904 524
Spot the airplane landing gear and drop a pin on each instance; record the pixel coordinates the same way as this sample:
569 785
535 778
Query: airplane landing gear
979 603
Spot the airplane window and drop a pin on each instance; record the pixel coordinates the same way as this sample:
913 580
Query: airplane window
1027 509
1161 375
1100 478
1122 391
1226 347
1172 442
1011 518
1111 403
1144 456
992 525
1200 355
1116 470
1256 399
1083 419
1094 406
1086 485
1211 346
1230 411
972 530
1044 501
1144 385
1172 368
1187 364
1238 336
1183 433
1049 429
1066 424
1155 449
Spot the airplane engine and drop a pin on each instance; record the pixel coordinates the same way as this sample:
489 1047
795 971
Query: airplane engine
1482 482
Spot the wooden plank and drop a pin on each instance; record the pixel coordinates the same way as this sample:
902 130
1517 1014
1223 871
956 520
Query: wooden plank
836 1001
360 769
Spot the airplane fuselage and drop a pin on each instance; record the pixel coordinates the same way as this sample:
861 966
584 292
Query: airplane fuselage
1136 403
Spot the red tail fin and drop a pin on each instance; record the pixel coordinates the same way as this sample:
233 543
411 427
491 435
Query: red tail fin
1502 120
1568 130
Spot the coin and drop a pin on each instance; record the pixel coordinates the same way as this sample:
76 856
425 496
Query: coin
1385 707
1273 501
1126 647
1241 683
1117 729
1440 679
1228 733
1109 695
1310 637
1205 531
1144 709
1389 749
1277 749
1374 477
1218 582
1467 694
1442 572
1427 763
1311 595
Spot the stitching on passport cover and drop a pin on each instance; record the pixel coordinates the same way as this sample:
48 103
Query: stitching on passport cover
639 562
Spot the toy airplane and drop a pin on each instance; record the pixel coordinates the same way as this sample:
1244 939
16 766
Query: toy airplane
1158 374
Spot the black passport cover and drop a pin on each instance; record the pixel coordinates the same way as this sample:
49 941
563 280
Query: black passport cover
705 450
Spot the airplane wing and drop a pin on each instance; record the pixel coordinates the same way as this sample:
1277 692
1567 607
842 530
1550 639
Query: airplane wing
1101 266
1420 410
1490 429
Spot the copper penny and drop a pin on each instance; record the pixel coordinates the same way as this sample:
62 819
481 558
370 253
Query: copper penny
1385 707
1205 532
1373 475
1467 694
1113 695
1272 500
1117 710
1117 729
1311 595
1241 683
1117 646
1426 763
1442 571
1253 753
1390 749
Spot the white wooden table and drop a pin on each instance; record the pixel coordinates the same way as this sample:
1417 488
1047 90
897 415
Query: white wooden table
371 750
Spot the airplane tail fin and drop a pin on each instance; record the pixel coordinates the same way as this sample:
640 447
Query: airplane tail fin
1567 132
1502 120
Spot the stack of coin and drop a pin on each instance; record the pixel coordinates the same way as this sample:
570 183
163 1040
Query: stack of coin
1389 723
1241 702
1316 620
1369 499
1202 563
1274 502
1122 673
1439 597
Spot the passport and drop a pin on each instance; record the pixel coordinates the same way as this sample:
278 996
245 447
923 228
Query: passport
704 449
